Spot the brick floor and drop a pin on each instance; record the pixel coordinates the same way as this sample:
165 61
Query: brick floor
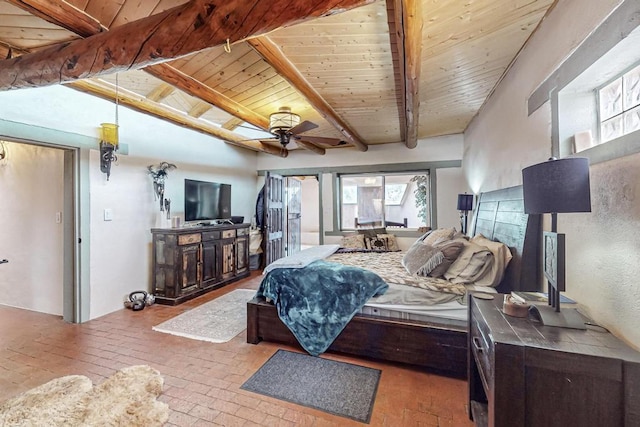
202 380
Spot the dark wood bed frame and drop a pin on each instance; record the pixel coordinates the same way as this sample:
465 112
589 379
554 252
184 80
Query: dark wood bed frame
499 216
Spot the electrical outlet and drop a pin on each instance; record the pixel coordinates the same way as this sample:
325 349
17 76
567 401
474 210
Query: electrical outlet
108 214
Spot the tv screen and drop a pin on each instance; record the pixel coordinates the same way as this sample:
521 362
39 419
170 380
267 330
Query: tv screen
206 200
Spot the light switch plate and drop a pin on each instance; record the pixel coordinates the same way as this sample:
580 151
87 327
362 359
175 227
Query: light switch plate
108 214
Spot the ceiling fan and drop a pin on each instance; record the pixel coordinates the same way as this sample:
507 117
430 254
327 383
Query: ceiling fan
285 126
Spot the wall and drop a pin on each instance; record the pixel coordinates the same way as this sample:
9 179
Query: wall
450 181
31 182
119 256
603 246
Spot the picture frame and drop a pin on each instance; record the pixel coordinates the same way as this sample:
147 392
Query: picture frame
554 259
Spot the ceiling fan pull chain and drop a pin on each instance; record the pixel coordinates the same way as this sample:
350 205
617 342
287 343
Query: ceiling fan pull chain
227 47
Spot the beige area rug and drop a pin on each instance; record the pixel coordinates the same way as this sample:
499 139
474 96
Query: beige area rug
217 321
127 398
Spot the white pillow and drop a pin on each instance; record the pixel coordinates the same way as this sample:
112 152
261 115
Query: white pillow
473 263
502 256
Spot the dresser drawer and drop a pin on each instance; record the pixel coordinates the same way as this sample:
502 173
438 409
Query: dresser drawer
243 231
482 349
210 235
228 233
186 239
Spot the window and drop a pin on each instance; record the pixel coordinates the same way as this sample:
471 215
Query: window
385 200
591 114
619 106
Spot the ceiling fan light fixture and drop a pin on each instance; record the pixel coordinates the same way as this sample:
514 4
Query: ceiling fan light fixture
282 121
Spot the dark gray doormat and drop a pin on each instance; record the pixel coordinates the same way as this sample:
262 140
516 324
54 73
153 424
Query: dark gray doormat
335 387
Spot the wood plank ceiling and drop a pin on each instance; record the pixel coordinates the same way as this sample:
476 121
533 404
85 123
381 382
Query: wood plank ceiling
382 72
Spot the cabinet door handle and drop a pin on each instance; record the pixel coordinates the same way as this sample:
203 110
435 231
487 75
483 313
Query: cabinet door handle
477 344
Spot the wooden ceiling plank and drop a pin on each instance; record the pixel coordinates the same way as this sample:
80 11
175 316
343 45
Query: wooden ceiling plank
273 55
226 70
160 92
199 109
264 80
61 13
104 11
259 91
200 24
132 11
232 123
139 103
253 72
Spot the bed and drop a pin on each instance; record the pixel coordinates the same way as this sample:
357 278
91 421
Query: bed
439 345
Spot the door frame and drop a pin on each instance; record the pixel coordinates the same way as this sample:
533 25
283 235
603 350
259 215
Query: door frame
318 176
73 309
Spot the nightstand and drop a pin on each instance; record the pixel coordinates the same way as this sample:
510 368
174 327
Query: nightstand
522 373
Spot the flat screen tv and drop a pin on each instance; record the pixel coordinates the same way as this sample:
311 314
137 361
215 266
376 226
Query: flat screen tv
206 201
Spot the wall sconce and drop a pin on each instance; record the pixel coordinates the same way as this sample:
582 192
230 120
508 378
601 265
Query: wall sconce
108 146
465 204
109 141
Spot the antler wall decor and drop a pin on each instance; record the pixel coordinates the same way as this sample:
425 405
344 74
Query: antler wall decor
159 174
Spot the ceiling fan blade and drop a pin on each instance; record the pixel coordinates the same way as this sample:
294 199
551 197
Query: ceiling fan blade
322 140
303 127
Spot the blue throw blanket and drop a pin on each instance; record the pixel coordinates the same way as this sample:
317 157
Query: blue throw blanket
316 302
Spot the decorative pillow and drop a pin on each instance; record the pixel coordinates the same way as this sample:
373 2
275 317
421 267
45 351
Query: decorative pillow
421 259
372 232
353 241
459 235
391 242
375 244
472 263
501 257
450 251
438 236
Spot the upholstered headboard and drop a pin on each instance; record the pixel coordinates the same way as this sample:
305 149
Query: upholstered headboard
499 215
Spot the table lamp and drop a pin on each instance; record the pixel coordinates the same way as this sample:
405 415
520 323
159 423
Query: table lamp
557 186
465 204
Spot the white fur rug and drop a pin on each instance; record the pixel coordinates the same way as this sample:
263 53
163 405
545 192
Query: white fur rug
127 398
217 321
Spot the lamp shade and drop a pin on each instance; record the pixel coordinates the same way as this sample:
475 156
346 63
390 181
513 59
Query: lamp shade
283 120
557 186
465 202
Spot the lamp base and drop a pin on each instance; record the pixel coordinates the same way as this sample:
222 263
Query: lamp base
566 318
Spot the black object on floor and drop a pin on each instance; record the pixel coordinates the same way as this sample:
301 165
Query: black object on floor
335 387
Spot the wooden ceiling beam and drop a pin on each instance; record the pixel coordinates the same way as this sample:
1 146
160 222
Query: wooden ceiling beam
8 51
198 89
62 14
188 28
407 30
140 103
311 147
274 56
